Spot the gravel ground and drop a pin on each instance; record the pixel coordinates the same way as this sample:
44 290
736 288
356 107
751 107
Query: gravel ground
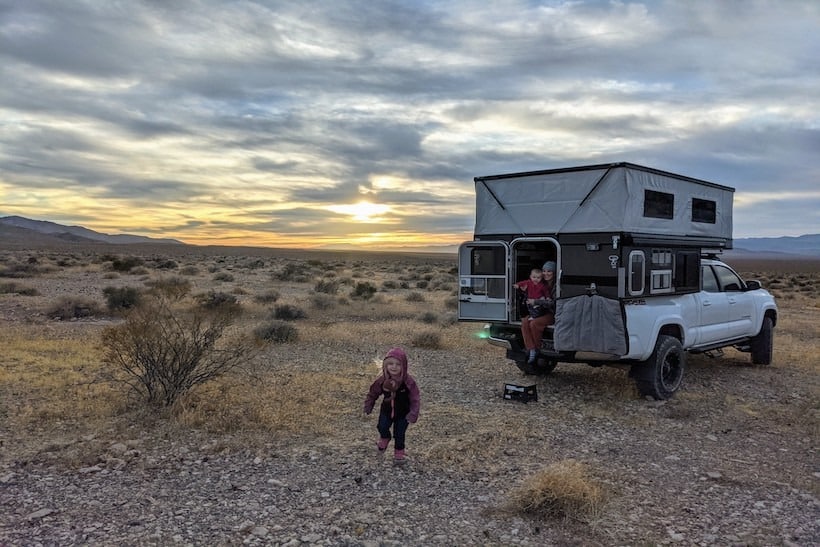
731 460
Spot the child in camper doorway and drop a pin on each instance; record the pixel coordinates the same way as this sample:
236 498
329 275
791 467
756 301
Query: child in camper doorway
539 290
400 403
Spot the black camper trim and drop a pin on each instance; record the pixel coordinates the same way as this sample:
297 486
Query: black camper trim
604 166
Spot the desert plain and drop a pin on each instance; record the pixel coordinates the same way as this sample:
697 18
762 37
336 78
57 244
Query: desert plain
276 451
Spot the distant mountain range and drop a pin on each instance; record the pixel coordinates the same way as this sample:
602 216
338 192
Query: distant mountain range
787 246
23 229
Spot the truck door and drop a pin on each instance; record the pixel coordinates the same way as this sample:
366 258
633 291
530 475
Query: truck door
741 308
713 308
483 287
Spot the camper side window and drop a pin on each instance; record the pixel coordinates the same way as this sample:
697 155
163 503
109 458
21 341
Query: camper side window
658 204
637 272
704 210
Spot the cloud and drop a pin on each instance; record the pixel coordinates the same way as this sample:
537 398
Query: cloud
247 121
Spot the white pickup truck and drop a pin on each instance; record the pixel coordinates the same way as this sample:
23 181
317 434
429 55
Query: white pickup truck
726 312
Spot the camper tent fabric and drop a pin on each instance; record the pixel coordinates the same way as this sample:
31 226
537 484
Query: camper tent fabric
590 323
607 198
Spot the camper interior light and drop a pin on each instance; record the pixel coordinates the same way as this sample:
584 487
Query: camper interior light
593 246
616 240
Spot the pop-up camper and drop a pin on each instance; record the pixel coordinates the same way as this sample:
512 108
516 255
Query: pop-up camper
626 238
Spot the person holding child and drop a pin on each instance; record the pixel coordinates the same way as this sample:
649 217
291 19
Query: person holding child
539 291
400 404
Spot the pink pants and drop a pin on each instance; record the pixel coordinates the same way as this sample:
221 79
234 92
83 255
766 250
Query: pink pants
533 329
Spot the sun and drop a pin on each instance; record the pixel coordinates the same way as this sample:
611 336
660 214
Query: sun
363 211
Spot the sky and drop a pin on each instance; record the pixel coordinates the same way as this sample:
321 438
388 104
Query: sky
347 123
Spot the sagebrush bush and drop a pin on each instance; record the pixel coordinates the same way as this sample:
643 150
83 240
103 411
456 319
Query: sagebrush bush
322 301
414 297
174 287
429 317
278 332
166 264
293 271
223 276
364 290
73 308
327 286
390 284
121 298
219 301
126 264
163 351
8 288
429 340
189 270
288 312
268 297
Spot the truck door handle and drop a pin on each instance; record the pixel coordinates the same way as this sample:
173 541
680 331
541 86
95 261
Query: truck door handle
707 302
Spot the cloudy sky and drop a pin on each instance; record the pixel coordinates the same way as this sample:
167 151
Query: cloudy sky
333 123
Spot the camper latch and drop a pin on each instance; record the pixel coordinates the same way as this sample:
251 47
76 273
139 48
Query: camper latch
592 289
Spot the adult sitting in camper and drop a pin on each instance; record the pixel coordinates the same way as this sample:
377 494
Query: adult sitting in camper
539 291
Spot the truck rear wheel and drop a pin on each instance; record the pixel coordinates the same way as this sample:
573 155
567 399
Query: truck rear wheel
761 345
541 366
661 375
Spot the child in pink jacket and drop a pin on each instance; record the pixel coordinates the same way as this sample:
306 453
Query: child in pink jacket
400 403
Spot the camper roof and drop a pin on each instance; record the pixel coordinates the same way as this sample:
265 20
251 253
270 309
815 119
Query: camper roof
613 197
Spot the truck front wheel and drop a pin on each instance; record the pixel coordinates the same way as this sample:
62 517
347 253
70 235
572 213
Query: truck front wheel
761 345
661 375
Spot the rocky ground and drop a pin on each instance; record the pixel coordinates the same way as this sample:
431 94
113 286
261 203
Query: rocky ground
731 460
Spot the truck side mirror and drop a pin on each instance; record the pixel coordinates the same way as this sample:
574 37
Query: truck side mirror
753 285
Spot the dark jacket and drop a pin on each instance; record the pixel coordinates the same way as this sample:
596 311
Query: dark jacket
405 401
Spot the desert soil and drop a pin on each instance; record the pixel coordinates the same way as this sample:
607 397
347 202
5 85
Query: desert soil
730 460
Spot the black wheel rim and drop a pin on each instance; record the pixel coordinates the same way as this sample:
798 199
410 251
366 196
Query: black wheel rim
671 370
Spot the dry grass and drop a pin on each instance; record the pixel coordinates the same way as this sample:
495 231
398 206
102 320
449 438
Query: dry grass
52 377
564 489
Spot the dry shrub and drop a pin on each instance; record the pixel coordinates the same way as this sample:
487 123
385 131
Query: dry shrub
174 287
414 296
163 351
75 307
9 288
564 489
277 332
427 339
267 297
323 301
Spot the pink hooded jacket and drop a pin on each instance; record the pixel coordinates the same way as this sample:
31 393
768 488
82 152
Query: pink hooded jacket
404 400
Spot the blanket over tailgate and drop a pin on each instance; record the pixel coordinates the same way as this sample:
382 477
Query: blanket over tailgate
590 323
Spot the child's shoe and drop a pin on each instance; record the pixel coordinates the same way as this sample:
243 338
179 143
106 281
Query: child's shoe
398 456
382 445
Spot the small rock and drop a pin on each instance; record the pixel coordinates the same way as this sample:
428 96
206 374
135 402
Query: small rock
117 448
40 514
259 531
92 469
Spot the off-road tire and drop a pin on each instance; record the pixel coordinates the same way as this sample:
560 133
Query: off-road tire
762 344
661 375
541 366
